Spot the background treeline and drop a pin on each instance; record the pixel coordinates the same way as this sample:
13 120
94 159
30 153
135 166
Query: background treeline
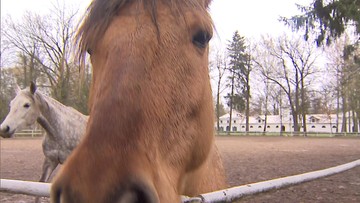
40 48
315 70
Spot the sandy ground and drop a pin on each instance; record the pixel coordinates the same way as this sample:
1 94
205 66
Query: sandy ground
246 160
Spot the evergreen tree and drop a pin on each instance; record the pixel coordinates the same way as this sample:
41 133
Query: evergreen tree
329 18
221 110
239 76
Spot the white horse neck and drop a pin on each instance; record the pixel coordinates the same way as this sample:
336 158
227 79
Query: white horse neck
56 117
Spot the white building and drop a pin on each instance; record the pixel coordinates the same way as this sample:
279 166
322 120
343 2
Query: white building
276 123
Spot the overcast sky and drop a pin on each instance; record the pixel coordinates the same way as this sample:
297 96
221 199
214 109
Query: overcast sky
251 18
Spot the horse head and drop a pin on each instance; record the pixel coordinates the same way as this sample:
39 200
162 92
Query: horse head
23 111
149 136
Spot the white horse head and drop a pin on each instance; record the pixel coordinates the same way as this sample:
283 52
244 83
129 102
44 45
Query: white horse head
24 111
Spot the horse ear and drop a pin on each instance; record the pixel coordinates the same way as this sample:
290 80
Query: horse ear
17 89
32 87
207 3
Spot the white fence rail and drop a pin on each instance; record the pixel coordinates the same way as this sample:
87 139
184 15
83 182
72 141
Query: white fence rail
235 193
30 132
289 134
228 195
25 187
38 132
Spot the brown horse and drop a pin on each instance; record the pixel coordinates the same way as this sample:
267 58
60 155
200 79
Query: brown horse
149 136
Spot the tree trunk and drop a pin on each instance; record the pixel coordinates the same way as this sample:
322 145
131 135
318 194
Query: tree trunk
218 106
297 105
303 106
344 109
1 85
358 120
247 110
296 123
355 124
24 64
32 70
266 104
280 113
231 103
349 122
337 108
265 123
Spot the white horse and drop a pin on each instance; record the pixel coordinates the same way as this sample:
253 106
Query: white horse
64 125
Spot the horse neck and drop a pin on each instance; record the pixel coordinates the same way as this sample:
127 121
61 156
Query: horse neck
50 113
46 125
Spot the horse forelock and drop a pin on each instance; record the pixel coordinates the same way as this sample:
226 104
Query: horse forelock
100 13
26 93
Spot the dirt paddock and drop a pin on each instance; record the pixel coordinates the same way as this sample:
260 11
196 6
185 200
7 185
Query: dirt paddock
246 160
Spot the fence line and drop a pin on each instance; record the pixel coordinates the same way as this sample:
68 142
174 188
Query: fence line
38 132
30 132
227 195
238 192
25 187
286 134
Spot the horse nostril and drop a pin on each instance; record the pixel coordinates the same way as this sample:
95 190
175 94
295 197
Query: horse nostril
56 195
7 129
138 194
135 197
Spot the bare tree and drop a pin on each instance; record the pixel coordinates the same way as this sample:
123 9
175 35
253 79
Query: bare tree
218 67
6 91
47 40
344 71
268 92
334 67
289 64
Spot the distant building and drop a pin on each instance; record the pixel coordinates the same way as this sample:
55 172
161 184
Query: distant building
276 123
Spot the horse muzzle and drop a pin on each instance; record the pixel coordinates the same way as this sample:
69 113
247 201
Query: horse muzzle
131 192
6 131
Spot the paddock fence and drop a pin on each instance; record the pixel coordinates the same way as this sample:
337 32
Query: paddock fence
227 195
29 133
38 132
289 134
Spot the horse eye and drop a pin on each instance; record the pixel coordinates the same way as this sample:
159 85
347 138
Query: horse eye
89 51
201 39
27 105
